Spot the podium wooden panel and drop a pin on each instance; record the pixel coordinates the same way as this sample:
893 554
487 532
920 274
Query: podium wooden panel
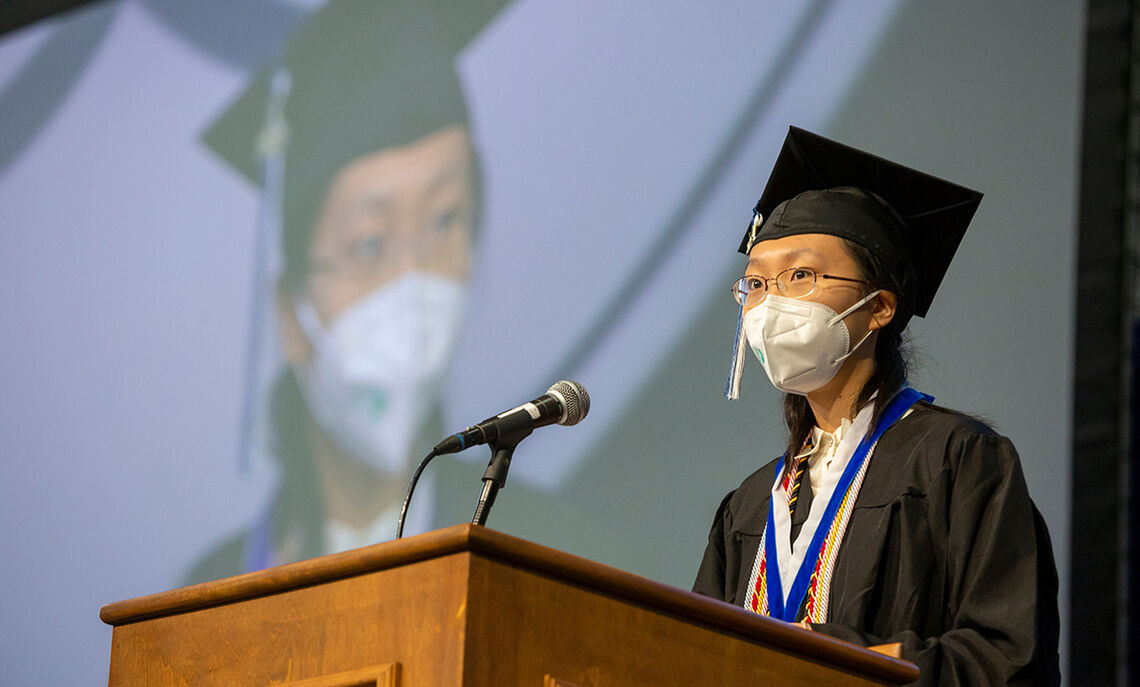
465 606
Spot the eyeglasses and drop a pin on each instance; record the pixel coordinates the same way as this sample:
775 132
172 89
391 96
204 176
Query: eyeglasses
379 249
794 282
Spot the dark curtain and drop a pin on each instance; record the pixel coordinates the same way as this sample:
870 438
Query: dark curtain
1104 620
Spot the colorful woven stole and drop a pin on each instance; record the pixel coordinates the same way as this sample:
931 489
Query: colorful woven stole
811 588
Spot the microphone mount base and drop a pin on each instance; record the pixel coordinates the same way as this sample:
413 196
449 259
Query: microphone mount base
494 479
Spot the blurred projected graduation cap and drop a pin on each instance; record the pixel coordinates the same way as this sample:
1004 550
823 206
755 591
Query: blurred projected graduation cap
362 76
357 77
910 220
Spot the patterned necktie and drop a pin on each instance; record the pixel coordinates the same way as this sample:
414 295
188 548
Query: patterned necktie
799 503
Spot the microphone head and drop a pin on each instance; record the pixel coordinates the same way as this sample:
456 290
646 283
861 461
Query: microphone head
575 401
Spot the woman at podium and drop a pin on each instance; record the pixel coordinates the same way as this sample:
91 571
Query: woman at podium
888 518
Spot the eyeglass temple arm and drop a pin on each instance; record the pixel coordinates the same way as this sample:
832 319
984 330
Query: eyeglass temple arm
830 276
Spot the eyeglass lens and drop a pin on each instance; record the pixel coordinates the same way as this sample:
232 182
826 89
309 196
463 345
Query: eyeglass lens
795 282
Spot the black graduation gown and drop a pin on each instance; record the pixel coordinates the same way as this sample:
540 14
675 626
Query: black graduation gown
944 553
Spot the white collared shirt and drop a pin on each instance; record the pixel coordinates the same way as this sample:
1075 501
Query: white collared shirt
827 459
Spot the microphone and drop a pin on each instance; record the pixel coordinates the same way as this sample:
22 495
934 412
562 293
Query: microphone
565 403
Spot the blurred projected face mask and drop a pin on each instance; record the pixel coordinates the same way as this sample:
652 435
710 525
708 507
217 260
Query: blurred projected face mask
375 372
801 344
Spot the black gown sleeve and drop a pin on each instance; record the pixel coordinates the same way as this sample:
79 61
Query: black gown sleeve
711 579
997 571
734 538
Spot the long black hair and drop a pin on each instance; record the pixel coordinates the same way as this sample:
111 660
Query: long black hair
890 374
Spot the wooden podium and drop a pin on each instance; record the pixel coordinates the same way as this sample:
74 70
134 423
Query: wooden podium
465 606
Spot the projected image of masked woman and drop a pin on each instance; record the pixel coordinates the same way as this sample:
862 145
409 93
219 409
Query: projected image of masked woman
378 208
888 519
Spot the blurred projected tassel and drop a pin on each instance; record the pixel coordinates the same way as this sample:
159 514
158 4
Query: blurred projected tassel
263 356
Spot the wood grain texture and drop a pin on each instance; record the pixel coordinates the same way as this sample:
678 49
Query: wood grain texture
396 615
471 606
523 626
894 649
286 577
376 676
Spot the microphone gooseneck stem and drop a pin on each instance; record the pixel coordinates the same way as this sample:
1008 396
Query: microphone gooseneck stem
494 479
486 500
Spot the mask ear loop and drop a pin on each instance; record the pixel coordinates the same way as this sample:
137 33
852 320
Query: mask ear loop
847 312
309 320
739 351
858 304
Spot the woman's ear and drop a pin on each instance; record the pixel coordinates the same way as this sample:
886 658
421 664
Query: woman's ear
883 308
294 344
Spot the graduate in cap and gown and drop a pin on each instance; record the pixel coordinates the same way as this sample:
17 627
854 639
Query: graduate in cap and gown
888 518
359 141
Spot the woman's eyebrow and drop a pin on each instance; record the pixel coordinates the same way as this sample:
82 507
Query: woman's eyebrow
448 175
371 202
784 256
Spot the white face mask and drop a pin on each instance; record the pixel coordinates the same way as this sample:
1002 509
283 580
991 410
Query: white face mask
801 344
374 374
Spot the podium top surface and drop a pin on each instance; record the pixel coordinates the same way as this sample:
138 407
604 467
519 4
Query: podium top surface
519 553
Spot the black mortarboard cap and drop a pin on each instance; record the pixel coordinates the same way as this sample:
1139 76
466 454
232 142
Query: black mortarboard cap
364 75
910 220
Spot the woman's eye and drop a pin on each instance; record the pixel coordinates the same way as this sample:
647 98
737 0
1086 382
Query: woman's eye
367 248
754 283
800 274
447 221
